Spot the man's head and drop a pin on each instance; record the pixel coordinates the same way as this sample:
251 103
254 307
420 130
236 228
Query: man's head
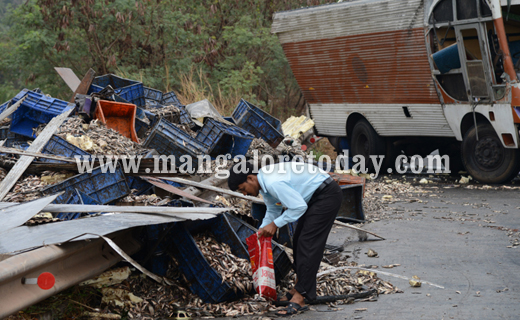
242 178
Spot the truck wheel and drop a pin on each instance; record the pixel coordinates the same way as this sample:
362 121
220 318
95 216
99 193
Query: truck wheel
486 160
366 142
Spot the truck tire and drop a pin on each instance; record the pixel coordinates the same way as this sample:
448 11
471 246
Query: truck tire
366 142
487 160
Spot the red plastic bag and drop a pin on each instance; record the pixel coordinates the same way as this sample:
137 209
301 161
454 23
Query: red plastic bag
261 255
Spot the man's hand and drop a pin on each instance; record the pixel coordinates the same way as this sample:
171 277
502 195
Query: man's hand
268 231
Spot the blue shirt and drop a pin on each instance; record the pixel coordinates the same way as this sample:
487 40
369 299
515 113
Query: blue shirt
290 185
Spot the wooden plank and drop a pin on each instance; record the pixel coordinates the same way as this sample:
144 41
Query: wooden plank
36 154
70 78
19 168
84 85
212 188
172 189
37 167
7 112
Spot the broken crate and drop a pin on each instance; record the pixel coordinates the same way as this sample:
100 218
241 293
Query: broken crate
251 118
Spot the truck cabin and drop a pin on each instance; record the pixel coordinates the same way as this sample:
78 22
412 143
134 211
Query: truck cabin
465 53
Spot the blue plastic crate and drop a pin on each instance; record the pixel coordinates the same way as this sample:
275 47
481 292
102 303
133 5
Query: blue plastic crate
167 139
85 199
242 107
180 203
36 109
74 198
224 139
158 260
153 94
230 119
131 91
142 186
4 132
14 140
20 95
136 183
141 114
77 197
247 118
185 117
102 187
142 126
201 278
61 147
153 105
221 229
170 98
151 116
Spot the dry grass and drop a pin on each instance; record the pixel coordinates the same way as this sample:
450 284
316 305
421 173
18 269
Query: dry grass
196 87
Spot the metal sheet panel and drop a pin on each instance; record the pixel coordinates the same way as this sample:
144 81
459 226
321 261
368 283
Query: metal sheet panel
23 238
348 19
387 67
18 214
387 120
70 78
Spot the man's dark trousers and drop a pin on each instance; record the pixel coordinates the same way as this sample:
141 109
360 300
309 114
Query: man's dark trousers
311 235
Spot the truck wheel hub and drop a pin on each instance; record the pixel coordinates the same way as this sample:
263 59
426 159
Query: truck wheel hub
488 152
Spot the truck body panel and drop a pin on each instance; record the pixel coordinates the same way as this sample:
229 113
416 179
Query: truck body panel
402 71
372 57
367 56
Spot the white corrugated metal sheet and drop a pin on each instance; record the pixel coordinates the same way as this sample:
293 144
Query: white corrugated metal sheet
347 19
513 2
387 120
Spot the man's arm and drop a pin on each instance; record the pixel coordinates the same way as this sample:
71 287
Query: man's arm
291 199
273 210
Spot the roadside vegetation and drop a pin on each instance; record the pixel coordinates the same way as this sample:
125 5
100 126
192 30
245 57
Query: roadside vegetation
221 50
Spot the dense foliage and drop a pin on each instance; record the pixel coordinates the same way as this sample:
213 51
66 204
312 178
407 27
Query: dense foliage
224 46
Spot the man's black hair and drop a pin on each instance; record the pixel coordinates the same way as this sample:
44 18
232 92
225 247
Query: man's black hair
238 174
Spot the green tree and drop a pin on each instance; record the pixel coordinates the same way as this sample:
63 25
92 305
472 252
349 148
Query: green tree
157 42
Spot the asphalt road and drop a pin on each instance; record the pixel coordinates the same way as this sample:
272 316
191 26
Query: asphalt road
455 238
453 242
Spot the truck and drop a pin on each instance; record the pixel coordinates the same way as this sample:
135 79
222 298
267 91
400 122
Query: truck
407 77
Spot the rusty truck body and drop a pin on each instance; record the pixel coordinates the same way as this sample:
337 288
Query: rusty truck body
384 77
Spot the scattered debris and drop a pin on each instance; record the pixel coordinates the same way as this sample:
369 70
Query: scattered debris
97 315
119 297
108 278
98 139
371 253
414 282
465 180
